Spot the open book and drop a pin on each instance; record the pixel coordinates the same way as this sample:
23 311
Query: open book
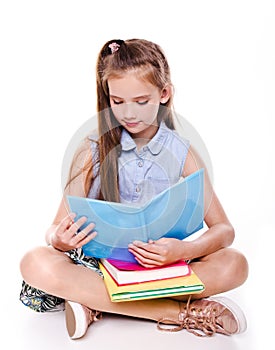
176 212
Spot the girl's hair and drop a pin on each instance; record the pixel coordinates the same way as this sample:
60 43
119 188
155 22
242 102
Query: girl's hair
115 58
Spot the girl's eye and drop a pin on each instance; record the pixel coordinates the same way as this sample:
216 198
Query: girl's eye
142 102
117 102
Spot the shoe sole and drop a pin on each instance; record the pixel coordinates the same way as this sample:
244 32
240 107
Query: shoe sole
236 311
75 320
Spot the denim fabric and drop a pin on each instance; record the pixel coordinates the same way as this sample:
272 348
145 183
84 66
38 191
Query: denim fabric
148 171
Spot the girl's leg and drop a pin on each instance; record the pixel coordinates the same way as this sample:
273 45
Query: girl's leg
221 271
53 272
47 269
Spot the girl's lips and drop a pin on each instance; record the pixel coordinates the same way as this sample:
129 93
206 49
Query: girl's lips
131 125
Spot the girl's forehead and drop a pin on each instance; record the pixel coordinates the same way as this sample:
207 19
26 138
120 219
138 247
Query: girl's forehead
130 83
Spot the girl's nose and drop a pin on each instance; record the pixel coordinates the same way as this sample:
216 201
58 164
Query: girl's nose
129 111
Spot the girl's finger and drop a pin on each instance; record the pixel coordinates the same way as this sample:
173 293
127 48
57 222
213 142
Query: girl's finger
66 223
145 248
78 237
77 225
87 239
145 256
148 263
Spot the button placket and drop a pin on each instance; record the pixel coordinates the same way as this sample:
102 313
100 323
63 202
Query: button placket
139 175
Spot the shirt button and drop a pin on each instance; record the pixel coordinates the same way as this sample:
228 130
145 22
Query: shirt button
137 189
140 163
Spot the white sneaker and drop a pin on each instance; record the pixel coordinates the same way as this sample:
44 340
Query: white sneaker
79 318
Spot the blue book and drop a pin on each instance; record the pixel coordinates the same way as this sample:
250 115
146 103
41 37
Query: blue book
176 212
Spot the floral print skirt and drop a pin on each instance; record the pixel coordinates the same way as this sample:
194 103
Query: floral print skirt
40 301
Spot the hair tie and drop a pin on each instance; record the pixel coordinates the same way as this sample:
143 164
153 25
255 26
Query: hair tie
114 47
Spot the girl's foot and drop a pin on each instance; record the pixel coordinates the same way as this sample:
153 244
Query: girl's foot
79 318
205 317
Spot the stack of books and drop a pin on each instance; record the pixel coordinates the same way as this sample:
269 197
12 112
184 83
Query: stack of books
177 212
126 281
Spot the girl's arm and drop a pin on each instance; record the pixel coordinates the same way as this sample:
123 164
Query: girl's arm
64 232
219 234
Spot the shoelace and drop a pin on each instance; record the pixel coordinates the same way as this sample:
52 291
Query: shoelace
193 320
94 316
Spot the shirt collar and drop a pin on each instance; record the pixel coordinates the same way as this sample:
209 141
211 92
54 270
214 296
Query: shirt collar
155 145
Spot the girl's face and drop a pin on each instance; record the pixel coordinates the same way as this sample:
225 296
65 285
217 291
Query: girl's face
135 104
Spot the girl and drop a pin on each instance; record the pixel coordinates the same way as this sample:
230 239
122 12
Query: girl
136 154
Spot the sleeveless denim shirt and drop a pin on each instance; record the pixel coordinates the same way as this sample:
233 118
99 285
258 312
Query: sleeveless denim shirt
148 171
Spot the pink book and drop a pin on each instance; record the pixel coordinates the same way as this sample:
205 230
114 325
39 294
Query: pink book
127 272
131 266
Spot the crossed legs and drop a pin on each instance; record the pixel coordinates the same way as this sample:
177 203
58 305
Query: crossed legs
53 272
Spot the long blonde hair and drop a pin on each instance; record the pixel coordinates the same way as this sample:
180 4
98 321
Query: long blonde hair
115 58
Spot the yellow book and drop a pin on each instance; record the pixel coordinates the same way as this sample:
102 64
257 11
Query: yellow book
190 284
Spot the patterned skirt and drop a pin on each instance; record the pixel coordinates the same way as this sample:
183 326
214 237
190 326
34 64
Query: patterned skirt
40 301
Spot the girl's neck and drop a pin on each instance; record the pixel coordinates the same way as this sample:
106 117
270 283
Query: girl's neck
142 138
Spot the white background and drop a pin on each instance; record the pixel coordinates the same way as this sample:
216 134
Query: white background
222 59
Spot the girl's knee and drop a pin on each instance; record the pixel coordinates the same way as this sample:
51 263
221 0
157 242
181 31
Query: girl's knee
243 266
239 265
30 263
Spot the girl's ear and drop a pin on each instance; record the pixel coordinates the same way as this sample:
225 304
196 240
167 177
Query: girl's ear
166 93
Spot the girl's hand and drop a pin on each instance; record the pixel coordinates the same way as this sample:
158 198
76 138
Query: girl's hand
65 236
157 253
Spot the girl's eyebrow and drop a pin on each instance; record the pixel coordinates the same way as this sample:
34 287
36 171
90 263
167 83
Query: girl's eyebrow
134 98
